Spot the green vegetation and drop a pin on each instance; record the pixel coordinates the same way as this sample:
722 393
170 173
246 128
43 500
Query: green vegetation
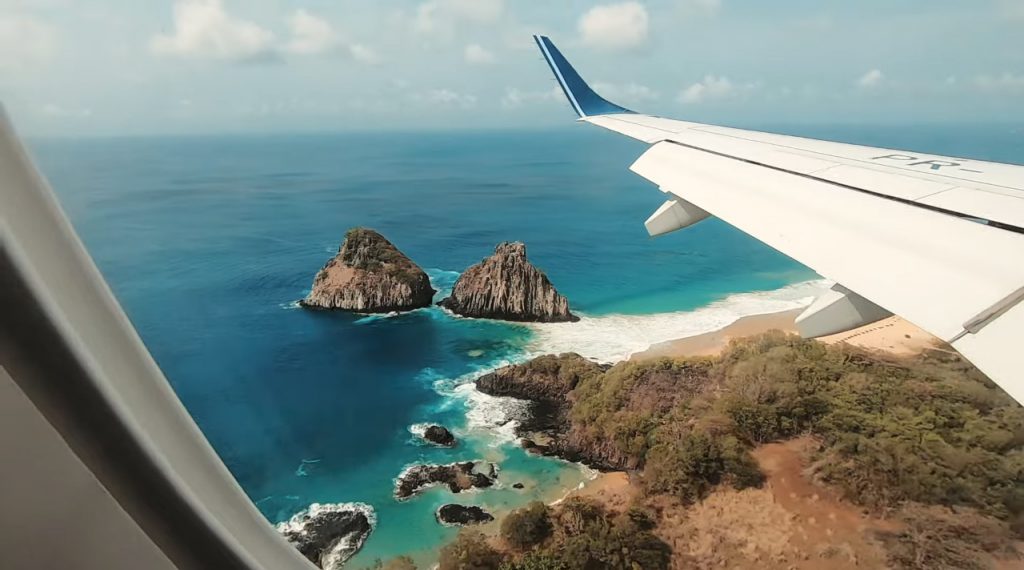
527 527
584 536
931 429
368 250
936 538
926 438
469 551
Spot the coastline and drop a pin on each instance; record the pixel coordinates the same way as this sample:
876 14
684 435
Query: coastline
893 335
712 343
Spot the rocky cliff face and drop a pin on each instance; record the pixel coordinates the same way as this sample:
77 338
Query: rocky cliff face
506 286
547 382
369 275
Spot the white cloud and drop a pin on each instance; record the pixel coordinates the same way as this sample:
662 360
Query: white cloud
690 7
203 29
477 54
714 88
1013 9
626 93
363 54
59 112
25 42
439 17
515 98
871 79
310 34
615 26
447 98
1005 83
475 10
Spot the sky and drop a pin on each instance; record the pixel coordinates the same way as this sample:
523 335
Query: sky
131 67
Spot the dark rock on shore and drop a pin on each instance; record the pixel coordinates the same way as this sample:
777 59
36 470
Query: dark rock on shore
547 383
461 515
329 534
369 275
457 477
508 287
439 435
547 377
517 485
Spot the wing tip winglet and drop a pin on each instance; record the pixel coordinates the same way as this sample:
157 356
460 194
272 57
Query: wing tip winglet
583 99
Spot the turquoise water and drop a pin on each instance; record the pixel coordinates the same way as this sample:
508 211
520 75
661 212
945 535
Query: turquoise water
208 242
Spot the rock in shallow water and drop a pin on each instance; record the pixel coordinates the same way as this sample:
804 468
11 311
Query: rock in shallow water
439 435
506 286
462 515
329 534
369 275
456 476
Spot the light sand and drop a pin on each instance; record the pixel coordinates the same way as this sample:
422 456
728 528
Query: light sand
612 490
893 335
712 343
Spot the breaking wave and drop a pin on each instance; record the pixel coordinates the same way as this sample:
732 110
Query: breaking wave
610 338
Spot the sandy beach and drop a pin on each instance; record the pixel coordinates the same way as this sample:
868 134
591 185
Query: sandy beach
893 335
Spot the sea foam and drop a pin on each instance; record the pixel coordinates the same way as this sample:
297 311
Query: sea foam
348 545
610 338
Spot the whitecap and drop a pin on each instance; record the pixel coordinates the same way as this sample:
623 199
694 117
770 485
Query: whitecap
418 429
344 548
611 338
291 305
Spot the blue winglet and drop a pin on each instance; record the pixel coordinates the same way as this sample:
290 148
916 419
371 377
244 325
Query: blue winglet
582 98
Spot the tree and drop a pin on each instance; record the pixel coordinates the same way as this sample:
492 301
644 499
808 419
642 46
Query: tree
469 551
528 526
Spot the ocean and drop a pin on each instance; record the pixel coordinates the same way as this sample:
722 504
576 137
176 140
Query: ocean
209 242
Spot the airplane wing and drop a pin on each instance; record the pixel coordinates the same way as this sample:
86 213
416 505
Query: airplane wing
937 240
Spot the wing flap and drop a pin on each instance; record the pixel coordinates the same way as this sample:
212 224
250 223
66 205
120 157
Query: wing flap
996 349
908 260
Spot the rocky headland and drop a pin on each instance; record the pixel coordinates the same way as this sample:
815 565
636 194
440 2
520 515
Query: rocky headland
462 515
329 534
555 426
457 477
369 275
506 286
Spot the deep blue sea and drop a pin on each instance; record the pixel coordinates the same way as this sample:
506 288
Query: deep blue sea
208 242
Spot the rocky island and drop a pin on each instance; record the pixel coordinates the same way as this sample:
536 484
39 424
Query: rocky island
369 275
457 477
506 286
462 515
439 435
329 534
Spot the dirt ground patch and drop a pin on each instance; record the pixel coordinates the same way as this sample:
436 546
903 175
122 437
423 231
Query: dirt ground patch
790 523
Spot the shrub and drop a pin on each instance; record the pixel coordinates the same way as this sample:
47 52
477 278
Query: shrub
528 526
536 561
469 551
937 538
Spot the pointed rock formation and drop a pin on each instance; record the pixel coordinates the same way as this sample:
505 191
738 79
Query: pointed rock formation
506 286
369 275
